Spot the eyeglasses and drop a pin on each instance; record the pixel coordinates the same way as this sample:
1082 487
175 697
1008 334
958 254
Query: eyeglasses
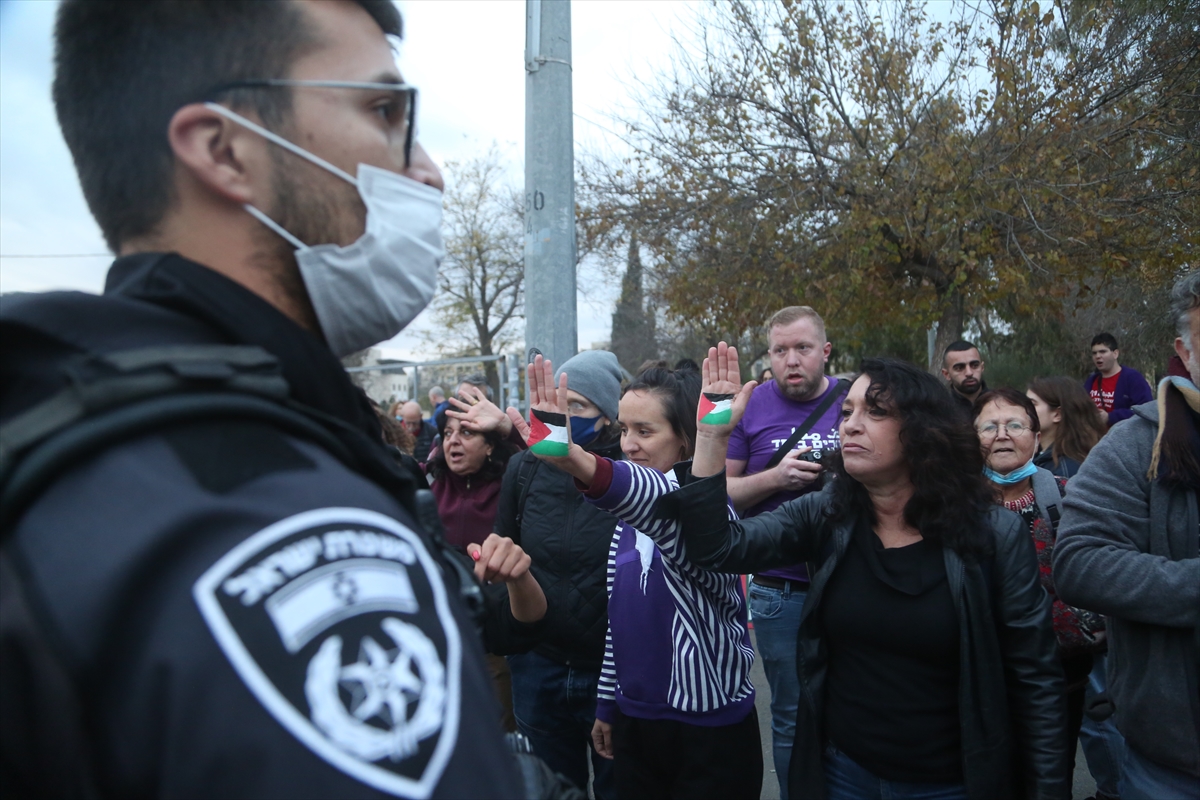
1015 429
400 112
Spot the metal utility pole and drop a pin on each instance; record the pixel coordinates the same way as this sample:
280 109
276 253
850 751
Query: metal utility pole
550 324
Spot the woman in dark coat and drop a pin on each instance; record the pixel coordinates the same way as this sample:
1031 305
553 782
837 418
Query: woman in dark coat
926 653
467 469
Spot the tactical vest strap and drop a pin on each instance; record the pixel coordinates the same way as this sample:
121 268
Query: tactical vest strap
100 382
115 397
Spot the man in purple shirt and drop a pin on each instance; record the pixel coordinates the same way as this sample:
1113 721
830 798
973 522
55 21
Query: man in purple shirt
799 388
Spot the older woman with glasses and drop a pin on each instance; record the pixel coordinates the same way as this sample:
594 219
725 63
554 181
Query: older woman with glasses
1007 424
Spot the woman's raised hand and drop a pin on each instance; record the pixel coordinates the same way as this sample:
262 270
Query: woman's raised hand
478 414
723 397
549 431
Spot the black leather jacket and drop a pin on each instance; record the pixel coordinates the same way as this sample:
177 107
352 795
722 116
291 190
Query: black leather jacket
1012 704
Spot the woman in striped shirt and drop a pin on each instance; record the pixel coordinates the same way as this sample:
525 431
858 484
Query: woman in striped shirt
675 703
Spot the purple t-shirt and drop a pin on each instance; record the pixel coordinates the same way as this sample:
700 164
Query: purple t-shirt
768 423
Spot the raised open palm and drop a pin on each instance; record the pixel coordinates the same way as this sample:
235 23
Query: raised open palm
548 433
723 397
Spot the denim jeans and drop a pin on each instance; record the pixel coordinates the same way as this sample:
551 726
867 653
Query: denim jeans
776 617
555 706
846 780
1103 745
1143 779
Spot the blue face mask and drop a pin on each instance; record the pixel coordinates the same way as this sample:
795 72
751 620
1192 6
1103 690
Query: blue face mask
583 429
1016 476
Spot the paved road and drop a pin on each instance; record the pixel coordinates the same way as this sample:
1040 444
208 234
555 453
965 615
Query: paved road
762 703
1084 786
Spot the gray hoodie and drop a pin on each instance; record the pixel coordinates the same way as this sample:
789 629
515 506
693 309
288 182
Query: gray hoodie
1127 548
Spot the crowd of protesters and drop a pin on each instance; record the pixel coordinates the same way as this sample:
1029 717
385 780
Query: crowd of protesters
224 573
920 571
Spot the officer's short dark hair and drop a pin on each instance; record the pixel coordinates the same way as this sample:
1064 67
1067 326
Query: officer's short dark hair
1106 339
957 347
122 70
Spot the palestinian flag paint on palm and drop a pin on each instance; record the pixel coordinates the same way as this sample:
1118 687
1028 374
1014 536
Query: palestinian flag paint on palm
715 409
548 433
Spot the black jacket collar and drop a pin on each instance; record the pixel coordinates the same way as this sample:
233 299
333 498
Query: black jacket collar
234 313
240 316
607 445
964 402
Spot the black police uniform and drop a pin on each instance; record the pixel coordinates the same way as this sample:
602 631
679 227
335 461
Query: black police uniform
240 613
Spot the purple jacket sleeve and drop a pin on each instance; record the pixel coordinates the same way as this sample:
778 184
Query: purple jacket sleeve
1132 390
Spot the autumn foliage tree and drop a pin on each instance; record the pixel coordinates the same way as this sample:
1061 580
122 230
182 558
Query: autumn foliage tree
899 169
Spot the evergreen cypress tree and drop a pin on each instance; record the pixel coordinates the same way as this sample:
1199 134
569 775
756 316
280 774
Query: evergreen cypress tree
633 339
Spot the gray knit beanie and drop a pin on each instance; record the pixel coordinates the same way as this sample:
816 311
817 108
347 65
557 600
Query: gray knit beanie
596 375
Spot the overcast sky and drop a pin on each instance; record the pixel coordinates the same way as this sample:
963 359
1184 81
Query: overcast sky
466 56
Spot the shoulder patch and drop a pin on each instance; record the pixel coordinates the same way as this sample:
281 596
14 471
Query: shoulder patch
338 622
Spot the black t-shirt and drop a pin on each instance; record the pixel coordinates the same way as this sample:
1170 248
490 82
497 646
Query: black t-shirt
892 687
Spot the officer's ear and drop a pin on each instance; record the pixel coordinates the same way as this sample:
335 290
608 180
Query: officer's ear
216 156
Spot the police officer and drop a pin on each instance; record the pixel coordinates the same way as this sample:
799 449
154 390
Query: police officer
230 608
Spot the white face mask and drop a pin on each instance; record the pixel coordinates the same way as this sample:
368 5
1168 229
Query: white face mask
371 290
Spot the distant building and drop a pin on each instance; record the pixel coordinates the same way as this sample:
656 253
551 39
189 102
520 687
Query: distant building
384 388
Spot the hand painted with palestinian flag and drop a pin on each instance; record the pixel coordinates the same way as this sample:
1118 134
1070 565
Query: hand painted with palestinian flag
722 402
549 432
723 398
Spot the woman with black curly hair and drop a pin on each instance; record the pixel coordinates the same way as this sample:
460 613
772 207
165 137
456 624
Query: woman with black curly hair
926 654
